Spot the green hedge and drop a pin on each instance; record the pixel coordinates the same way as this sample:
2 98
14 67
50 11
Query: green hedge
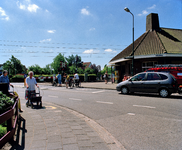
17 78
94 75
3 131
5 102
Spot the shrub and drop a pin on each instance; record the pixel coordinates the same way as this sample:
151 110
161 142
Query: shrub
17 78
3 131
94 75
5 102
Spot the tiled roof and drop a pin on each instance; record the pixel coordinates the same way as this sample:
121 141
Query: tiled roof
155 42
86 64
171 39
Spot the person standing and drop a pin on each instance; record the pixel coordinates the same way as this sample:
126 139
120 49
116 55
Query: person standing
59 77
30 85
112 77
66 79
106 77
4 78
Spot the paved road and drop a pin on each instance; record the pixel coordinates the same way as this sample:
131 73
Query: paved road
137 121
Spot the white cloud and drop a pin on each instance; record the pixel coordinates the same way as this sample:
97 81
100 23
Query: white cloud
110 50
51 31
32 7
46 40
27 6
46 10
91 51
3 14
84 11
152 7
91 29
21 6
144 12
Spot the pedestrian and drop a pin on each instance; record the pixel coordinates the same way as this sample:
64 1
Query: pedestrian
4 78
106 77
59 77
112 77
77 79
125 78
30 85
66 79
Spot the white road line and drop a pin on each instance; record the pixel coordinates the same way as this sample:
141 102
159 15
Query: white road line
104 102
144 106
53 96
75 99
131 114
98 91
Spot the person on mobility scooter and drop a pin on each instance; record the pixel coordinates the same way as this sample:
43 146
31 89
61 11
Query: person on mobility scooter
30 91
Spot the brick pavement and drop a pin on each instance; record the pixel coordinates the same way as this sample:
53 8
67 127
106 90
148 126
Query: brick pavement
54 127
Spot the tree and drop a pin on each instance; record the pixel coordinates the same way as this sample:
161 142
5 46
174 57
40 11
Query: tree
72 69
47 69
36 69
72 60
89 71
14 66
56 62
94 67
80 70
106 68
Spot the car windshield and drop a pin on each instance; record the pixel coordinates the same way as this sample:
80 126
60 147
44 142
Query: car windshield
138 77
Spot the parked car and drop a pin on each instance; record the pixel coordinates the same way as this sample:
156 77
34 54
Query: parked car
150 82
175 71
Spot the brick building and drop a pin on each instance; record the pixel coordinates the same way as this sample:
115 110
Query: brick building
156 46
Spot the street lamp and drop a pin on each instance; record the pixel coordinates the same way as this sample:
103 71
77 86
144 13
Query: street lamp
132 70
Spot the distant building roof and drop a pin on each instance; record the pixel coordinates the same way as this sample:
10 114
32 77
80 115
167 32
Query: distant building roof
87 64
154 41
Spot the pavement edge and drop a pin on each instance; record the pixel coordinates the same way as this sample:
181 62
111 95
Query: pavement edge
111 141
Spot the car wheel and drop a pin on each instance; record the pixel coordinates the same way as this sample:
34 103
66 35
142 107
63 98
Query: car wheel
124 90
164 93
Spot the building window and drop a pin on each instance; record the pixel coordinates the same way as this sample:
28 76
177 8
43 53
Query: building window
148 64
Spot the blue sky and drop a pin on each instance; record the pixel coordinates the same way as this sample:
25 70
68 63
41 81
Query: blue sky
35 31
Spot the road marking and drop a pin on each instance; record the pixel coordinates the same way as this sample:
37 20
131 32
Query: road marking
131 114
104 102
75 99
144 106
52 96
98 91
50 107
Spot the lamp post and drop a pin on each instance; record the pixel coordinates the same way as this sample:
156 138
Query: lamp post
132 70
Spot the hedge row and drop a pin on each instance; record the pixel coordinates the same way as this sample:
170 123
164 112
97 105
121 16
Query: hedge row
48 78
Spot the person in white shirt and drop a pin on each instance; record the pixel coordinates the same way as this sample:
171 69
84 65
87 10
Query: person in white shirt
30 85
77 79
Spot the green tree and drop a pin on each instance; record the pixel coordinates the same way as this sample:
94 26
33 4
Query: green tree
72 60
106 68
36 69
14 66
89 71
56 62
72 69
47 69
80 70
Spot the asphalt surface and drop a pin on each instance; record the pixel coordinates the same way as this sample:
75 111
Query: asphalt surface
138 121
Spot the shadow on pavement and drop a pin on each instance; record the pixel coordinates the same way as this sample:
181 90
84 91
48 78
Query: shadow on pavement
153 95
19 136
